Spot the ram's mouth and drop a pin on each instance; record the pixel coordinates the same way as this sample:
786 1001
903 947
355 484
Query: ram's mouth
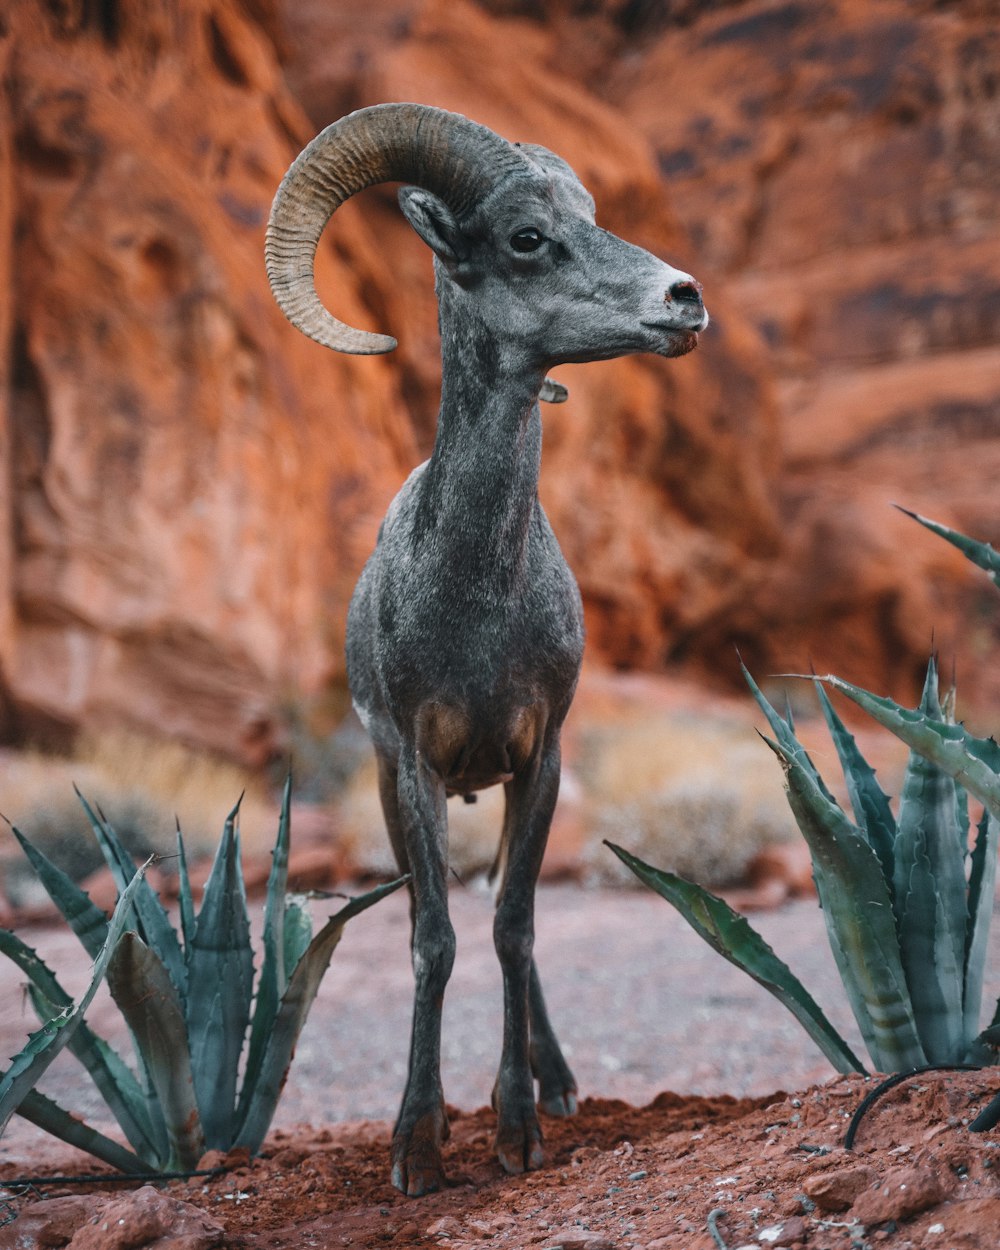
675 342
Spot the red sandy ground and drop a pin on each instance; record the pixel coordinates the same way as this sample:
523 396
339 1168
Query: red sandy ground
644 1004
773 1169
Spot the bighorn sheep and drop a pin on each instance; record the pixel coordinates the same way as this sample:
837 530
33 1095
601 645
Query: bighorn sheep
465 632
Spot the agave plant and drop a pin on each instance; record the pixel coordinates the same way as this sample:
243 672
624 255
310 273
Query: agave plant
187 998
907 905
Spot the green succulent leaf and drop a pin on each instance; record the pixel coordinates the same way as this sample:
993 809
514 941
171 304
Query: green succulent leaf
112 1076
83 916
973 762
273 975
982 890
292 1012
184 894
48 1115
731 936
859 921
981 554
298 934
27 1067
869 802
784 732
930 896
35 968
147 997
220 966
152 922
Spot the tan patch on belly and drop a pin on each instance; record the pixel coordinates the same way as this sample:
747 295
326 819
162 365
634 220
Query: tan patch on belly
466 760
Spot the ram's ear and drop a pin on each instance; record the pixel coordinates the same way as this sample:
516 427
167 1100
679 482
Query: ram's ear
433 221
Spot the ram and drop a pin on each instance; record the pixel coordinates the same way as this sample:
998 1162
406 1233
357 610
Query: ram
465 632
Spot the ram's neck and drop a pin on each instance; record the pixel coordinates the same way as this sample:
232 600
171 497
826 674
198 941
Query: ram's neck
479 491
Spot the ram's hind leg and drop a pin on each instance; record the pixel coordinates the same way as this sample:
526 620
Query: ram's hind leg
556 1083
413 805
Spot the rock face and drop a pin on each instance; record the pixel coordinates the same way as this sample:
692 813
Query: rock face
190 487
181 516
834 168
837 162
655 475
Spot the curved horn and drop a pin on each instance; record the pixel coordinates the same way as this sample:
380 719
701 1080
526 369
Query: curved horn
444 153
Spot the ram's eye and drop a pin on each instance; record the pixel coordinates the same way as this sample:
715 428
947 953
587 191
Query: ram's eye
529 240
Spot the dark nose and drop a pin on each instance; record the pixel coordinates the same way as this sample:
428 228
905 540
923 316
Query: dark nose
685 293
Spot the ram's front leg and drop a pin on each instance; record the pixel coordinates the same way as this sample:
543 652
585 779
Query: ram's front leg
531 798
422 1126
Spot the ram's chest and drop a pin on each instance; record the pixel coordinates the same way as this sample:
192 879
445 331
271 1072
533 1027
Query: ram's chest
480 651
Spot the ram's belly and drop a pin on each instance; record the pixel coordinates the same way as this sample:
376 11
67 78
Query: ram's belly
472 749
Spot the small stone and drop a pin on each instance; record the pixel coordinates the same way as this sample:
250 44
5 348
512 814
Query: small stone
837 1190
51 1222
904 1191
792 1232
148 1216
575 1239
445 1229
637 1176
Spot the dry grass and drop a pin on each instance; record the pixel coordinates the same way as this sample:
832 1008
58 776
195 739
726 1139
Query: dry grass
698 795
143 786
689 790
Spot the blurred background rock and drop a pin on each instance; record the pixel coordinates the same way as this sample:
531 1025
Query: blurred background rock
188 487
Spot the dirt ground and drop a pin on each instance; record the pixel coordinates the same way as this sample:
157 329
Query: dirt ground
643 1006
688 1173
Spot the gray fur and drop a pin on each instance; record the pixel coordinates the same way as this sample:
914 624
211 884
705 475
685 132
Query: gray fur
465 633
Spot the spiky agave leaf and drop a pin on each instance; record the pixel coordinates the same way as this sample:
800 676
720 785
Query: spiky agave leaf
869 801
220 980
291 1016
112 1076
930 896
273 975
784 732
184 895
28 1066
859 920
298 933
46 1114
982 889
973 762
152 922
981 554
80 912
147 997
731 936
90 924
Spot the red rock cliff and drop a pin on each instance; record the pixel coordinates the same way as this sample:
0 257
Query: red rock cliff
190 487
182 517
833 166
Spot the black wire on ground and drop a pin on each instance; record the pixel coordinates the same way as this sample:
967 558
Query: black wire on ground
891 1082
115 1178
713 1227
988 1118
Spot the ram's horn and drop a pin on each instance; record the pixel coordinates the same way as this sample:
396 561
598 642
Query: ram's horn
445 153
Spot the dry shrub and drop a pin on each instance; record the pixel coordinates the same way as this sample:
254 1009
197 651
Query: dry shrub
142 785
694 794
